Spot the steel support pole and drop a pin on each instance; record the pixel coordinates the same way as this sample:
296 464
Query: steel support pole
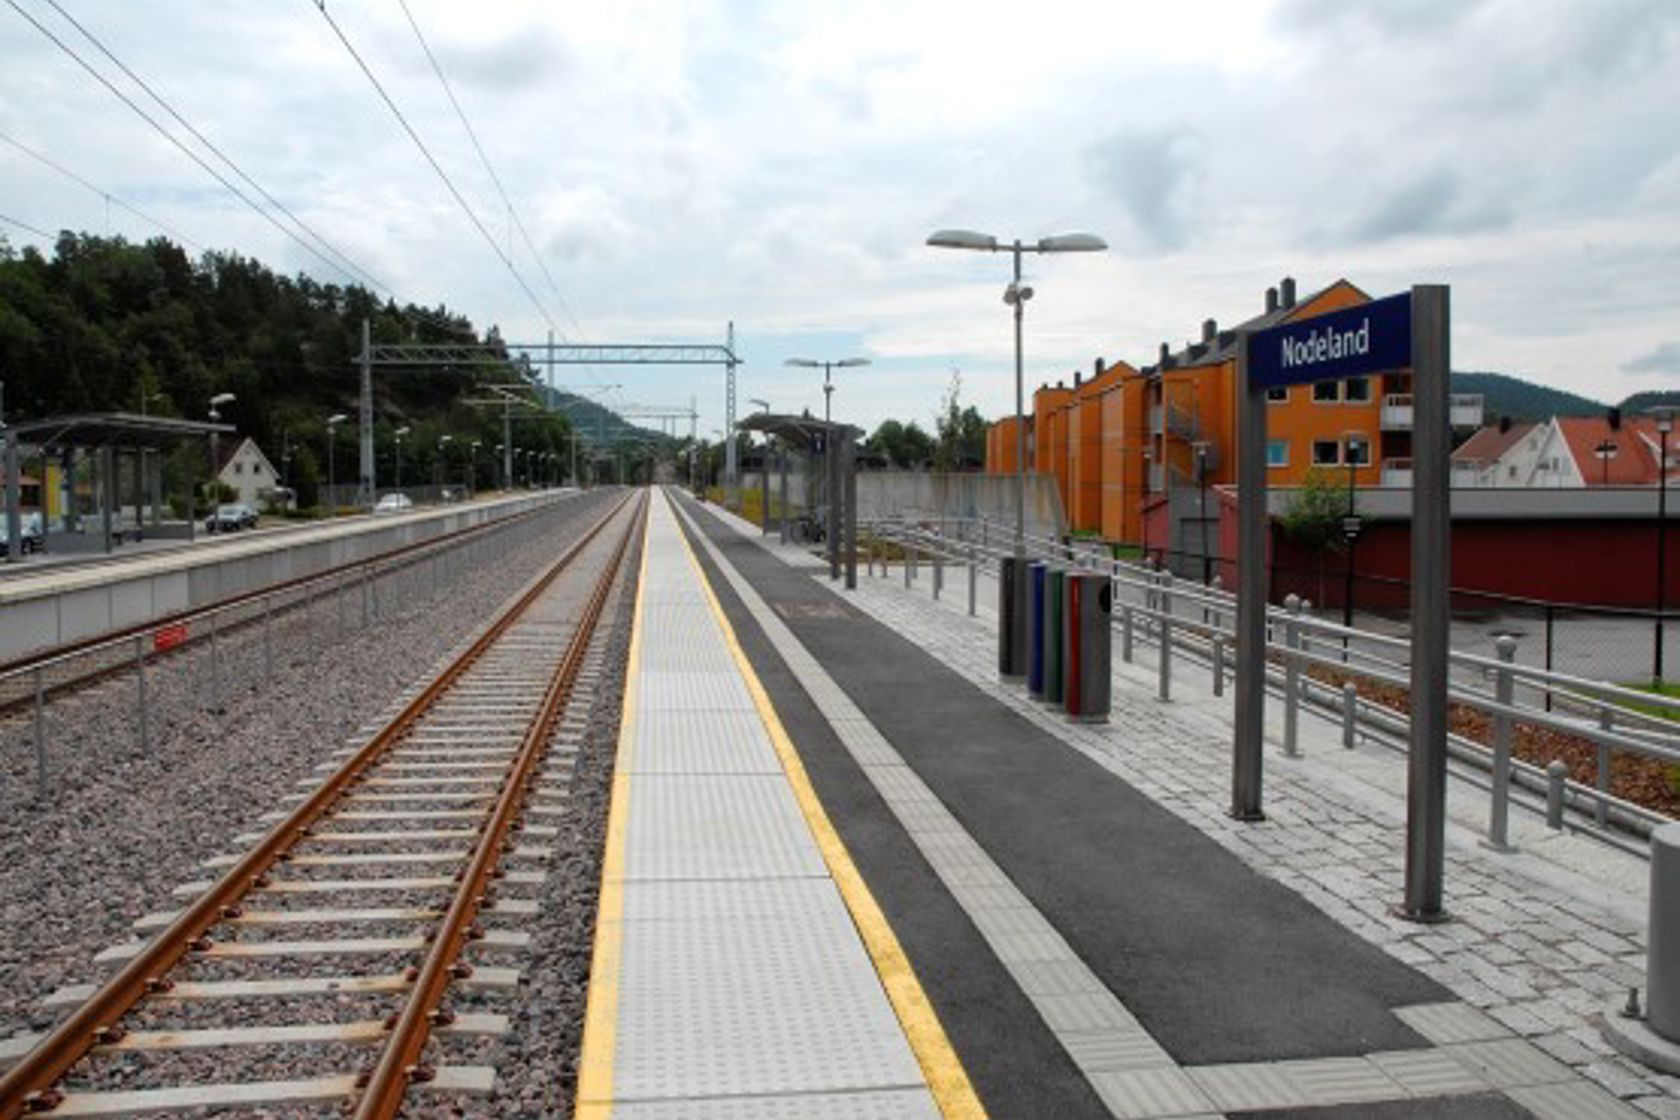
1662 556
782 462
1499 811
1247 760
1426 805
14 498
764 491
831 456
850 482
366 482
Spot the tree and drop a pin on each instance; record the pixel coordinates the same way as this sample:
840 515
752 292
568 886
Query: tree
1312 518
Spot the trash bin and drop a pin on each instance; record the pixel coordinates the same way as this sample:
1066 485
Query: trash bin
1035 629
1088 644
1055 592
1012 617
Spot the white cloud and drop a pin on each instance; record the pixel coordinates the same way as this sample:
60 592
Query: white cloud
780 164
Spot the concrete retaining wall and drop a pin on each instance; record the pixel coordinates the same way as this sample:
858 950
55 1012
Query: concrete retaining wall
47 608
917 495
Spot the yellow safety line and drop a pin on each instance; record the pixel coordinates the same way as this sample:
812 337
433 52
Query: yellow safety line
946 1078
600 1020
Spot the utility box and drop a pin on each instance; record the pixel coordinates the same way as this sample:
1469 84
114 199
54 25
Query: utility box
1055 595
1035 629
1088 646
1012 617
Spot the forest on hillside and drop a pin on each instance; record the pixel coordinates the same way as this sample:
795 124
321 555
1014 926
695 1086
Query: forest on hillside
109 325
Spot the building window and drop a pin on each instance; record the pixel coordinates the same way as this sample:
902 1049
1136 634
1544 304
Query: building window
1358 452
1327 452
1277 394
1357 390
239 468
1277 453
1327 392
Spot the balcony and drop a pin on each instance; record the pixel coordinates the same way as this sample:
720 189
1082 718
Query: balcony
1397 472
1465 411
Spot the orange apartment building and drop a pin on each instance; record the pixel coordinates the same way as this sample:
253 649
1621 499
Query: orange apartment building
1135 451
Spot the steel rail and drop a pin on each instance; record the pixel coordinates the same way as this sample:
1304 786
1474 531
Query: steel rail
29 662
29 1085
399 1063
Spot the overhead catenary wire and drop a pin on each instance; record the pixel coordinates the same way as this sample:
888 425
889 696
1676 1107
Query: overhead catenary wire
100 191
36 230
413 135
484 158
350 267
174 140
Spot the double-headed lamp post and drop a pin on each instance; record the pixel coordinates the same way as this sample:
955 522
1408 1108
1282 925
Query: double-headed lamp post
1012 628
828 369
1665 425
333 422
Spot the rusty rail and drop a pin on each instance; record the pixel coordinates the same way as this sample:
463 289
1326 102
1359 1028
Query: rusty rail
399 1064
29 1085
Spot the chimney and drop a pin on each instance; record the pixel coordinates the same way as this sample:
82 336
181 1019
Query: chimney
1097 367
1271 300
1165 354
1078 379
1286 291
1614 416
1210 329
1504 424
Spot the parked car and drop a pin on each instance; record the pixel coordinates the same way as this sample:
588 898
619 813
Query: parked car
231 518
394 502
31 539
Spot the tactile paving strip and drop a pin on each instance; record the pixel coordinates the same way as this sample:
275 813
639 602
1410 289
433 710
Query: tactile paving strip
706 743
717 827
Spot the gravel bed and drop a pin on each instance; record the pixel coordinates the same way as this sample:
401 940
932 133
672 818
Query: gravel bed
123 827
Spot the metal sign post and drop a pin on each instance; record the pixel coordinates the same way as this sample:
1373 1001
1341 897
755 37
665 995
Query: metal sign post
1407 330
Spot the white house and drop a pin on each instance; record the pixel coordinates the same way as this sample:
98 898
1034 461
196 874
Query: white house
248 471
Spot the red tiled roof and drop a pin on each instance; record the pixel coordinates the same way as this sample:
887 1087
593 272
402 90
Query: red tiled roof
1632 463
1489 443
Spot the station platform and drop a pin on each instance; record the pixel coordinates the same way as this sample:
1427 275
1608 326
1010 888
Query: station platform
1091 934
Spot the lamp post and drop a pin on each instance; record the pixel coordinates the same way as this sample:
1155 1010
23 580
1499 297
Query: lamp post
398 437
472 467
215 442
1012 616
1201 448
333 422
1665 425
1350 533
828 368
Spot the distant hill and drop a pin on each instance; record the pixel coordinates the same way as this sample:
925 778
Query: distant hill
1639 402
597 422
1503 395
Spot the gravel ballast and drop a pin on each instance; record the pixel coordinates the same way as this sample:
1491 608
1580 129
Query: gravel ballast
122 827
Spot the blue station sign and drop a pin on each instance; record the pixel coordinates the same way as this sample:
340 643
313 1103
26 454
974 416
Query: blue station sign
1372 338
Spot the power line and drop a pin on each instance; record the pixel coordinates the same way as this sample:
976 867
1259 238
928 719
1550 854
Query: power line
36 230
212 172
485 160
102 193
437 167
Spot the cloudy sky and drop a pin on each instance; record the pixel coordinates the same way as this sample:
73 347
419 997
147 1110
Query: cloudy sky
778 163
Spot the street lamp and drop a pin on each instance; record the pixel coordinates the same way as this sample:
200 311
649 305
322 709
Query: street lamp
333 422
1351 526
1012 619
1201 447
1665 424
828 369
398 436
215 441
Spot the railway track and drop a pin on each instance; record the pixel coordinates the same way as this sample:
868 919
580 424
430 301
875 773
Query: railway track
329 948
86 662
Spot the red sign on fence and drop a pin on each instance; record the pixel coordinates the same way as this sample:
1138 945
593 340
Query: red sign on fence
168 637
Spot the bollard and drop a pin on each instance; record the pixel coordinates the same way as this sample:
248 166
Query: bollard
1164 687
913 550
909 564
1601 777
40 737
973 579
1291 677
938 573
1126 633
1556 774
1504 688
140 686
1218 665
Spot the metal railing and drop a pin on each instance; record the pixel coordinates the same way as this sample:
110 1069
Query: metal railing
1197 622
196 642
